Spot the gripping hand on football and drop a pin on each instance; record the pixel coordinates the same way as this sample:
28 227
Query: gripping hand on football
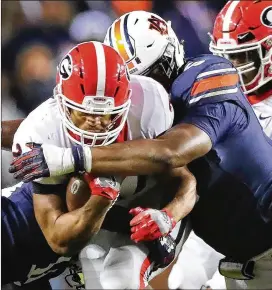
150 224
107 187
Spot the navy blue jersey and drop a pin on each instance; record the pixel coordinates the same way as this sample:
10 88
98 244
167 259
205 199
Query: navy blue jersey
26 256
235 177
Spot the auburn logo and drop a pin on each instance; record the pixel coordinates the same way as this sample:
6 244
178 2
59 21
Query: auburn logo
158 24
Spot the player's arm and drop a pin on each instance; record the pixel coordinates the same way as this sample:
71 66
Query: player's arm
176 148
8 130
185 197
68 232
149 224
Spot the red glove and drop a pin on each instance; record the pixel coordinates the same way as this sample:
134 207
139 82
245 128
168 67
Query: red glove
150 224
107 187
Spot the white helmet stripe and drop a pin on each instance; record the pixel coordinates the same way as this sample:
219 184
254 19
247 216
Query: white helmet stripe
227 18
101 68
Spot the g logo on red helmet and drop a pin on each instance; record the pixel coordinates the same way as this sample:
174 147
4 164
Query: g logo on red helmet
266 17
65 68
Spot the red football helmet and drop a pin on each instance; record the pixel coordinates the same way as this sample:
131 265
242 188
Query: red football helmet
93 78
243 34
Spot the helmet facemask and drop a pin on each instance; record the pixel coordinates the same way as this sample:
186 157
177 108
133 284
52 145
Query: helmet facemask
252 61
93 105
165 69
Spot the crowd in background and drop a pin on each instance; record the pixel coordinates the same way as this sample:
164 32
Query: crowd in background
36 34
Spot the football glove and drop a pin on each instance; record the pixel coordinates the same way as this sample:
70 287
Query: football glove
107 187
150 224
44 160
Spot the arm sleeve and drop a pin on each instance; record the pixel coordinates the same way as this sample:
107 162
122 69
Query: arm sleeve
217 120
58 189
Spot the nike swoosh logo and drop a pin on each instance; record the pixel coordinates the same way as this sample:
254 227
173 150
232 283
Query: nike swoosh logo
242 36
263 117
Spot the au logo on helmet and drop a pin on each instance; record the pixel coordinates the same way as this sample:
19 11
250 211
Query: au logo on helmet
266 17
158 24
65 68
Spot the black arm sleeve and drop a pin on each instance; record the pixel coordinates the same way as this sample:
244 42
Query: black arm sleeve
58 189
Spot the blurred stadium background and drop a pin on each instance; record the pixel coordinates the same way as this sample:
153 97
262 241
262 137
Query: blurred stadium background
35 35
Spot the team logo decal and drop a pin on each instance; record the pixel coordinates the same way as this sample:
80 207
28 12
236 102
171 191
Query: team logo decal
266 17
158 24
75 186
65 67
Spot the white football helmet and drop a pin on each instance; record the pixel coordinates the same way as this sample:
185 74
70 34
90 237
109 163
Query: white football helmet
146 41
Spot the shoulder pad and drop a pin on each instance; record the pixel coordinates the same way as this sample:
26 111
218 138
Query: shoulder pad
202 76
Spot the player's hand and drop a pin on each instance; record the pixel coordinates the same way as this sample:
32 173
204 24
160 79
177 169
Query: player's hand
150 224
107 187
30 165
45 160
162 251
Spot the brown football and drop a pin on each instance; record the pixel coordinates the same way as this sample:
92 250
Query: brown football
77 193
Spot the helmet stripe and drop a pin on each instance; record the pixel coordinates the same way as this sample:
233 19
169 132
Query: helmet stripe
130 65
227 19
110 38
101 68
118 40
127 36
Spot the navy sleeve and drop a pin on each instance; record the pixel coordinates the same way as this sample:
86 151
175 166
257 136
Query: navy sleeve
208 79
217 120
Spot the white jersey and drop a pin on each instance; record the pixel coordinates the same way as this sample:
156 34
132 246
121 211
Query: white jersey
263 111
150 114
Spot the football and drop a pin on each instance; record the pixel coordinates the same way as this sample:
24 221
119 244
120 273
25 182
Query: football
77 192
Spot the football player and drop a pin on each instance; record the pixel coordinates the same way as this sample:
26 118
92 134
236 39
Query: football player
95 104
216 132
243 34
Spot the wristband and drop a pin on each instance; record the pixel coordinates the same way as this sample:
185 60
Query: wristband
88 158
78 156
